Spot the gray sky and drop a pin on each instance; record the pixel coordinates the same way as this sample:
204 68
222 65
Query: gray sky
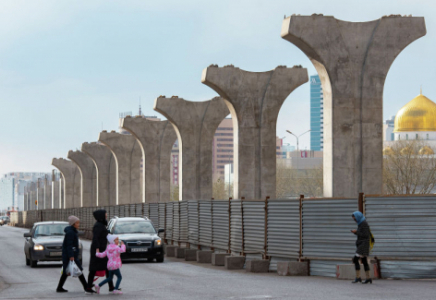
66 67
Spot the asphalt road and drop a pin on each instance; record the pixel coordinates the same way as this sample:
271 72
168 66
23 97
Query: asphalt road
176 279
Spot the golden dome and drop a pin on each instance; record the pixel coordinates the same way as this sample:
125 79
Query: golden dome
408 150
417 115
426 150
388 151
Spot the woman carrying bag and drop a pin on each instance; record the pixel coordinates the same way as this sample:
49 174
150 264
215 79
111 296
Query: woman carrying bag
70 253
364 243
99 241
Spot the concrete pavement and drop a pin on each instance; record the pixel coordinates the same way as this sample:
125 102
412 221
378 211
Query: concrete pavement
177 279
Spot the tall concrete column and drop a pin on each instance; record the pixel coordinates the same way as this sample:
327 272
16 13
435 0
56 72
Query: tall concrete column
128 154
352 60
254 100
195 124
88 177
47 193
26 199
40 193
71 176
156 139
105 166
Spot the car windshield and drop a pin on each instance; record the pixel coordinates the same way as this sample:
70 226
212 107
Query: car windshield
123 227
50 230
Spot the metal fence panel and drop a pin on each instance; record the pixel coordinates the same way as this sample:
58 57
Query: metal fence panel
402 226
283 228
154 214
326 268
176 221
183 221
205 222
169 221
138 210
162 217
220 224
326 228
254 226
193 222
408 269
236 226
146 210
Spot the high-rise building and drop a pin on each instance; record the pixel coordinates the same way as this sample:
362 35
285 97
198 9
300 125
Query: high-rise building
316 114
388 129
222 148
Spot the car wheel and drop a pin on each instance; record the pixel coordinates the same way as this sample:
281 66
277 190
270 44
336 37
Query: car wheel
27 261
33 263
160 259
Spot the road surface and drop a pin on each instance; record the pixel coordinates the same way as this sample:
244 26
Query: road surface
177 279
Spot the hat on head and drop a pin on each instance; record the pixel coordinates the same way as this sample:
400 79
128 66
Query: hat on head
111 238
72 220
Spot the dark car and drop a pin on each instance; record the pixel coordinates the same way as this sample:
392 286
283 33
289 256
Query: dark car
139 236
44 242
4 220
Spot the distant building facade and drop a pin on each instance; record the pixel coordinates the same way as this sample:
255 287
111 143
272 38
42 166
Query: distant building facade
316 114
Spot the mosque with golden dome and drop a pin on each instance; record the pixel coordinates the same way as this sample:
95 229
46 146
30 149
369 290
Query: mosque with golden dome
414 121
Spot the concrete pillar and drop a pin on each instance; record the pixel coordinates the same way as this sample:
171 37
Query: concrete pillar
88 177
352 60
26 203
105 165
128 154
55 197
47 193
33 196
156 139
195 124
40 193
254 100
71 176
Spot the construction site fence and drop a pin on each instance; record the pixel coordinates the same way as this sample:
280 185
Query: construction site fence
314 230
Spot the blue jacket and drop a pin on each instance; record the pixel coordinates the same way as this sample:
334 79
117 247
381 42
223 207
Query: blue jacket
70 247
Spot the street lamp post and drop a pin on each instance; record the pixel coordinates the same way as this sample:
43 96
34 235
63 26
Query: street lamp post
297 137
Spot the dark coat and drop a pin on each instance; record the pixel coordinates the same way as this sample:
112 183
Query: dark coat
70 247
363 236
99 241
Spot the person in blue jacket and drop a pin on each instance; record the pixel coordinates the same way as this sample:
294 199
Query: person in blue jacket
70 252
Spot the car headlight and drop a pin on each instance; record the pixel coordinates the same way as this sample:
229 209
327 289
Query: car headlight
38 247
158 242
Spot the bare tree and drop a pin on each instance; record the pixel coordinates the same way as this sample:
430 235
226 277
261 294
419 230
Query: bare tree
221 190
409 167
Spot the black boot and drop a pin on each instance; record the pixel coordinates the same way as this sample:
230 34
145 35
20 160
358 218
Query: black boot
60 288
367 281
358 279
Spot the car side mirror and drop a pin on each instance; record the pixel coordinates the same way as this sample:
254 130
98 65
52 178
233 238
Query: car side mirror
81 233
27 235
160 230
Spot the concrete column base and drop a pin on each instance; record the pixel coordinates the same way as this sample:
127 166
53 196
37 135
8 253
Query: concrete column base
204 256
180 252
234 262
171 250
293 268
191 254
348 272
257 266
218 259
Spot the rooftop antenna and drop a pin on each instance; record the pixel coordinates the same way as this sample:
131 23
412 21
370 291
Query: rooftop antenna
420 91
140 112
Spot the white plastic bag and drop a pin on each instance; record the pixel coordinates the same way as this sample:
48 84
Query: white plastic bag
73 270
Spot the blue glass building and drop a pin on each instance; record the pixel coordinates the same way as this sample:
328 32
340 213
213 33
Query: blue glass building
316 114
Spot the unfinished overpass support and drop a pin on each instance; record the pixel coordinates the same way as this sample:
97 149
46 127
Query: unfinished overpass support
89 177
195 124
105 165
128 155
352 60
254 100
72 182
156 139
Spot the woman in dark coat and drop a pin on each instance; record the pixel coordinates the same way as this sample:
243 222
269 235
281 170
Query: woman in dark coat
363 243
70 252
99 241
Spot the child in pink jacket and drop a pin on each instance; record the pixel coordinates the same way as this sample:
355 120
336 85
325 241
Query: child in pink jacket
113 252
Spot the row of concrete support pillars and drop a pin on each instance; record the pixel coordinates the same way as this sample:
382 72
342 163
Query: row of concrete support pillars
46 193
352 59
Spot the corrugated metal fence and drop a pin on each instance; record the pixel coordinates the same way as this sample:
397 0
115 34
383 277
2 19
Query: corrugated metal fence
282 230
